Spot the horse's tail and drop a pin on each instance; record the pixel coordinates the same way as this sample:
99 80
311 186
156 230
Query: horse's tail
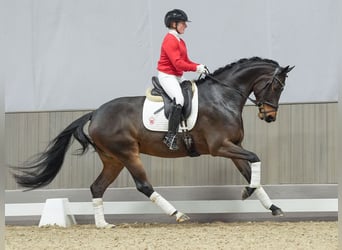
44 167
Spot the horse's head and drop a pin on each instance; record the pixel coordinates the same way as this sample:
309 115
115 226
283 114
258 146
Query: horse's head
268 92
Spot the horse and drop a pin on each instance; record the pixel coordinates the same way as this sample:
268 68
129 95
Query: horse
117 134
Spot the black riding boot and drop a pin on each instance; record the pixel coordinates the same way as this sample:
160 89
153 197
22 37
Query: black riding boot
170 138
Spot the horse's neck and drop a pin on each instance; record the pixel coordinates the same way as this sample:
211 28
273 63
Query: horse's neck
246 78
239 83
234 87
227 95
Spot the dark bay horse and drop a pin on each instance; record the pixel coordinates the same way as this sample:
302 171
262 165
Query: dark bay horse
118 135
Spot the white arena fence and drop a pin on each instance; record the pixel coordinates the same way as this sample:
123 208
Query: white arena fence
201 203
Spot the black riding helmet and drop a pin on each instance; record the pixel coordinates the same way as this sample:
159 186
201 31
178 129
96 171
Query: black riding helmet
175 15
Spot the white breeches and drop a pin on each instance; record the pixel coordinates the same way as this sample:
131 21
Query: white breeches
171 85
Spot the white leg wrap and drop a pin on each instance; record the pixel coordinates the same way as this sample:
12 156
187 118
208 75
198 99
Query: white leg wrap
162 203
99 214
255 176
263 197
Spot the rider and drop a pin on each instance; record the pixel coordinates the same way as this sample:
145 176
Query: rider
173 62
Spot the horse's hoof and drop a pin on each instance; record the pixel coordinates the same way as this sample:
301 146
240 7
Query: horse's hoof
276 211
106 226
180 217
247 192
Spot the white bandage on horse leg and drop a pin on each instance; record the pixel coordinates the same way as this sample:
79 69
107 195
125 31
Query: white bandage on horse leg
99 214
255 175
263 197
162 203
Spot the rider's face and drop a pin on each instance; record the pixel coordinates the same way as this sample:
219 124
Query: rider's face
180 26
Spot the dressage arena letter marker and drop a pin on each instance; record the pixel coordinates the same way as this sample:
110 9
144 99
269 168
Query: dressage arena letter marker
255 177
57 212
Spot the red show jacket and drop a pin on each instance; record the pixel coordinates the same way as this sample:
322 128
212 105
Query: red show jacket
174 58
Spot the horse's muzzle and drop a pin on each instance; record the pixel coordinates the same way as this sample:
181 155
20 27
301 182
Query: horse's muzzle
267 113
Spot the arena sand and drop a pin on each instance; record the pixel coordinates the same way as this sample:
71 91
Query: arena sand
218 235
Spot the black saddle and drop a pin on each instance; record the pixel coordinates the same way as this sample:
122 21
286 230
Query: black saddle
187 93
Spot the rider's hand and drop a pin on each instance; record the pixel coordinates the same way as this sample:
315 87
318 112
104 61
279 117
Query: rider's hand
202 69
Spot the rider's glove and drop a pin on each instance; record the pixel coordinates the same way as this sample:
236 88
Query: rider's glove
202 69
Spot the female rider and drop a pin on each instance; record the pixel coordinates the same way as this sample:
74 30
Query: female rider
173 62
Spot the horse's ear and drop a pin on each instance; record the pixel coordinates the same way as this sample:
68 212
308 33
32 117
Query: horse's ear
287 69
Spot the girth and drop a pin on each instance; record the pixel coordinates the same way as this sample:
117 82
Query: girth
186 87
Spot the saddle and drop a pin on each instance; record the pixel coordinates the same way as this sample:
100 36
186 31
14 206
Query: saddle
187 91
156 97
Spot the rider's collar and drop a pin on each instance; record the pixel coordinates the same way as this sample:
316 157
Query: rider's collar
175 33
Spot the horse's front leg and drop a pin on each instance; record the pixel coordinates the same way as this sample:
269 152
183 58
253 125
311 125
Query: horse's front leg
249 166
258 190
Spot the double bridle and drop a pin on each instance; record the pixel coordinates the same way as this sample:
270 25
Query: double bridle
259 104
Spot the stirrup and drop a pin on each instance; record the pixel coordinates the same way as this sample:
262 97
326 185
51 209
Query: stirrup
171 141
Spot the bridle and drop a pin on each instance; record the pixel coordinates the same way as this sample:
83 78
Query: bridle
275 107
259 104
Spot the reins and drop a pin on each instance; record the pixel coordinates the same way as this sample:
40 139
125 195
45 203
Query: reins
242 94
258 104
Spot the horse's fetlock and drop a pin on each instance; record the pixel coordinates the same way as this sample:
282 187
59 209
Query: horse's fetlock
247 192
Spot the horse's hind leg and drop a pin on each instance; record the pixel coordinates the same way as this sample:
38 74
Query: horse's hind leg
111 169
138 173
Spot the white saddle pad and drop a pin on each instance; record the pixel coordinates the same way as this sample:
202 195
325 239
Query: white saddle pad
158 121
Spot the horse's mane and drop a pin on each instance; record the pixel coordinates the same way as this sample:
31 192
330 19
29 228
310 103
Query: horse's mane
238 63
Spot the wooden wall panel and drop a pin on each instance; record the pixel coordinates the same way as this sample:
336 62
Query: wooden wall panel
299 148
